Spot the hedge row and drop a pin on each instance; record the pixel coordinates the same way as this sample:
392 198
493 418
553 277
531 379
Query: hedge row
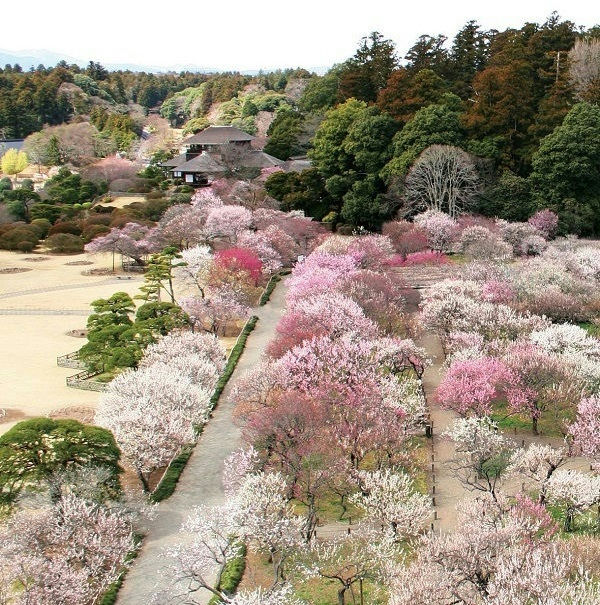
232 361
110 596
171 477
275 279
231 576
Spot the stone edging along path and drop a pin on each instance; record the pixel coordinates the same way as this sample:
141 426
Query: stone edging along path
200 482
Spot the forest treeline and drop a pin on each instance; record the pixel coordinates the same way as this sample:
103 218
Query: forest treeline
522 103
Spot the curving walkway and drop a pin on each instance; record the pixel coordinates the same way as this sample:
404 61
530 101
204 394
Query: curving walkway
200 483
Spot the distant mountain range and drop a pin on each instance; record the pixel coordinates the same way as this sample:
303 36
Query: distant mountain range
32 58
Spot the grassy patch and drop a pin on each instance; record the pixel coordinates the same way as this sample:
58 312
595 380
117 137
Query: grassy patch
586 523
106 377
319 591
232 576
110 596
591 328
548 424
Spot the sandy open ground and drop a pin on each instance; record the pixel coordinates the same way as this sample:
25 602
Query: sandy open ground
124 200
37 310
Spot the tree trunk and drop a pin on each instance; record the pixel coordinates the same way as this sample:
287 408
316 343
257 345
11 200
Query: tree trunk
342 595
144 481
534 424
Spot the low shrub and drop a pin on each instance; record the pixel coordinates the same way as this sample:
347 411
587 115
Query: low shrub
65 227
234 357
344 229
42 226
266 295
92 231
20 237
66 243
110 596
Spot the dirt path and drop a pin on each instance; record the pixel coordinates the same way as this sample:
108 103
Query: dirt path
201 480
447 490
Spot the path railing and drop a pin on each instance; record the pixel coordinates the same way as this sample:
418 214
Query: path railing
81 380
70 360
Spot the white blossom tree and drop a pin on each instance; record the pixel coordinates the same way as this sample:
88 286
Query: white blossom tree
152 413
266 519
574 492
537 463
389 501
482 453
66 551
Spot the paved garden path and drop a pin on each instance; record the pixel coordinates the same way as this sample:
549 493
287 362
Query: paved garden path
200 482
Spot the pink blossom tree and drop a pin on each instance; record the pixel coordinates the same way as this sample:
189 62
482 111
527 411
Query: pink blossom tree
325 314
133 240
440 228
227 222
214 314
182 226
472 386
545 385
381 297
545 221
370 251
586 429
259 243
240 259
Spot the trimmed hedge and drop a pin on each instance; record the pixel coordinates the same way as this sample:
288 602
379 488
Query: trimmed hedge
231 577
169 481
266 295
110 596
275 279
234 357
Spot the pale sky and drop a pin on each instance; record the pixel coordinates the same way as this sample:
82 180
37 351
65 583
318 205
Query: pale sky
252 34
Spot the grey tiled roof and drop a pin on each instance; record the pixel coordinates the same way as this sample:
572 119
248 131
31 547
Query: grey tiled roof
218 135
